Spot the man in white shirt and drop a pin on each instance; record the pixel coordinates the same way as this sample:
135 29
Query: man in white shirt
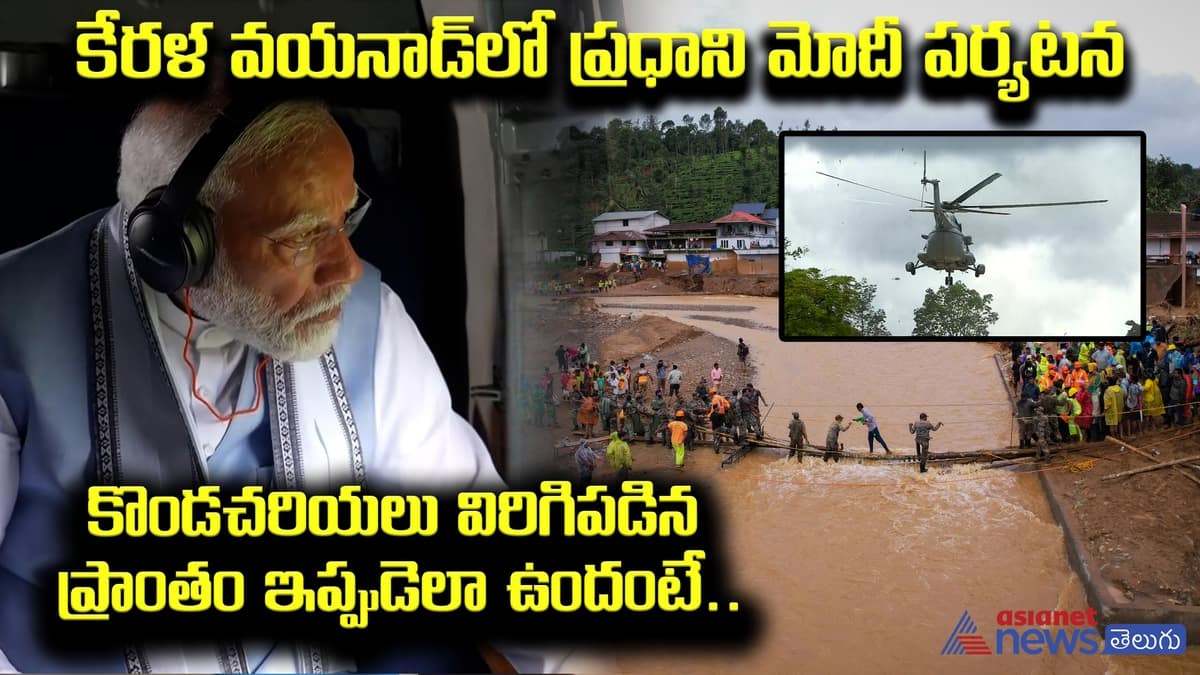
285 362
872 429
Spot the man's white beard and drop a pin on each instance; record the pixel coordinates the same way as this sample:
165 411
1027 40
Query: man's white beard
251 317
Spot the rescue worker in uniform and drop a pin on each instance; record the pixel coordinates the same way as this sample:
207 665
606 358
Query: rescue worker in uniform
1046 405
747 410
1025 411
797 436
633 418
756 418
716 417
1042 428
922 428
694 418
606 410
733 418
832 449
659 405
678 429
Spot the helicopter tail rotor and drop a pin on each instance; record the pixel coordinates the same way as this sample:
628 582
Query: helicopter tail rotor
924 164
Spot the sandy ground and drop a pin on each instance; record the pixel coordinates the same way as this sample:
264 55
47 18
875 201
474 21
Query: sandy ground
1144 528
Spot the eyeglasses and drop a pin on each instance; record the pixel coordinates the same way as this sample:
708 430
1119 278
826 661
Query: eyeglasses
305 246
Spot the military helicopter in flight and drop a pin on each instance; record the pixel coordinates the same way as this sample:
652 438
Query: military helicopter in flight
947 249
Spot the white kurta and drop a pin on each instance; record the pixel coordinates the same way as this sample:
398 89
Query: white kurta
420 439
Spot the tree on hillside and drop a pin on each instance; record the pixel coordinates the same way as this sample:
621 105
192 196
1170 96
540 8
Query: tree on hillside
691 169
954 311
815 305
1169 184
864 317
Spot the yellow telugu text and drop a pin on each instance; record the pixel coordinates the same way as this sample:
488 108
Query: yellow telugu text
93 595
402 588
875 52
603 57
591 514
1050 55
450 51
131 512
96 594
606 588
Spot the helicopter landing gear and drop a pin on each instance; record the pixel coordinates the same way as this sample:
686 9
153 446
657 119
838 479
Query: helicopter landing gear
910 268
979 270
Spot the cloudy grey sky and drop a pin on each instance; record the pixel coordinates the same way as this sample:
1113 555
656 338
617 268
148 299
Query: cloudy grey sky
1159 35
1063 270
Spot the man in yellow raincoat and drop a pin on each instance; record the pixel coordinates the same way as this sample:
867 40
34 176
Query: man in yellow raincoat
1114 405
619 456
1152 401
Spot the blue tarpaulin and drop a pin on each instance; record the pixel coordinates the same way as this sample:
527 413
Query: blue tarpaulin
698 264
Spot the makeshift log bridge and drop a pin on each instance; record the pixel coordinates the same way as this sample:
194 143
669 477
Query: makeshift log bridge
737 449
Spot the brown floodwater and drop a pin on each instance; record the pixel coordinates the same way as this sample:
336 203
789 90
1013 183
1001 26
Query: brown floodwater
867 568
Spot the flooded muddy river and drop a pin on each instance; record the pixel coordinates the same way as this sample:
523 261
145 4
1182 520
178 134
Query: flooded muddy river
867 568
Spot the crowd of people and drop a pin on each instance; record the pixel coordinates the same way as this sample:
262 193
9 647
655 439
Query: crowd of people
1085 391
557 286
631 402
1079 392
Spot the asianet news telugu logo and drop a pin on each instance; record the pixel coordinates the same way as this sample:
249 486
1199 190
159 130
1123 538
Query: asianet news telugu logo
1028 632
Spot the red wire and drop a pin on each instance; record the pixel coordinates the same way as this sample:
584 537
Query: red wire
187 305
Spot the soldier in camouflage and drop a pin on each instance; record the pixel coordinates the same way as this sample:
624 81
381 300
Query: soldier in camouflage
659 406
1042 427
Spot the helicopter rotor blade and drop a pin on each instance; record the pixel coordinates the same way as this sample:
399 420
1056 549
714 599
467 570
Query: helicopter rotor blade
894 194
1020 206
978 186
991 213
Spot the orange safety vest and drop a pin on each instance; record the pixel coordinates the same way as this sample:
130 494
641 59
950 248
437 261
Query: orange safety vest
1044 382
1079 379
678 432
719 404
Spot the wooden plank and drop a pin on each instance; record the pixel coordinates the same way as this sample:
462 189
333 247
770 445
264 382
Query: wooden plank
1152 458
1156 467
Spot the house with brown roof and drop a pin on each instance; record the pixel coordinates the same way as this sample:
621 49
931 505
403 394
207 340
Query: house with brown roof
681 237
740 230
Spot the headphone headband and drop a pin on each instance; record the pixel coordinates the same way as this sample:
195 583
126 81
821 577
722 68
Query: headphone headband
180 194
172 239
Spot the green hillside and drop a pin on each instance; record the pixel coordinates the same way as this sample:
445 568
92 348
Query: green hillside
691 171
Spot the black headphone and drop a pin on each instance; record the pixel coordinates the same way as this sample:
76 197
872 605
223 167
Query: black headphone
171 236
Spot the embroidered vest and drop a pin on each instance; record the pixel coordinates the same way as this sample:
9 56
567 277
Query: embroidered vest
85 383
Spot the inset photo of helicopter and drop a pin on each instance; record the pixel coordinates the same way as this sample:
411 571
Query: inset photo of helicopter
961 235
